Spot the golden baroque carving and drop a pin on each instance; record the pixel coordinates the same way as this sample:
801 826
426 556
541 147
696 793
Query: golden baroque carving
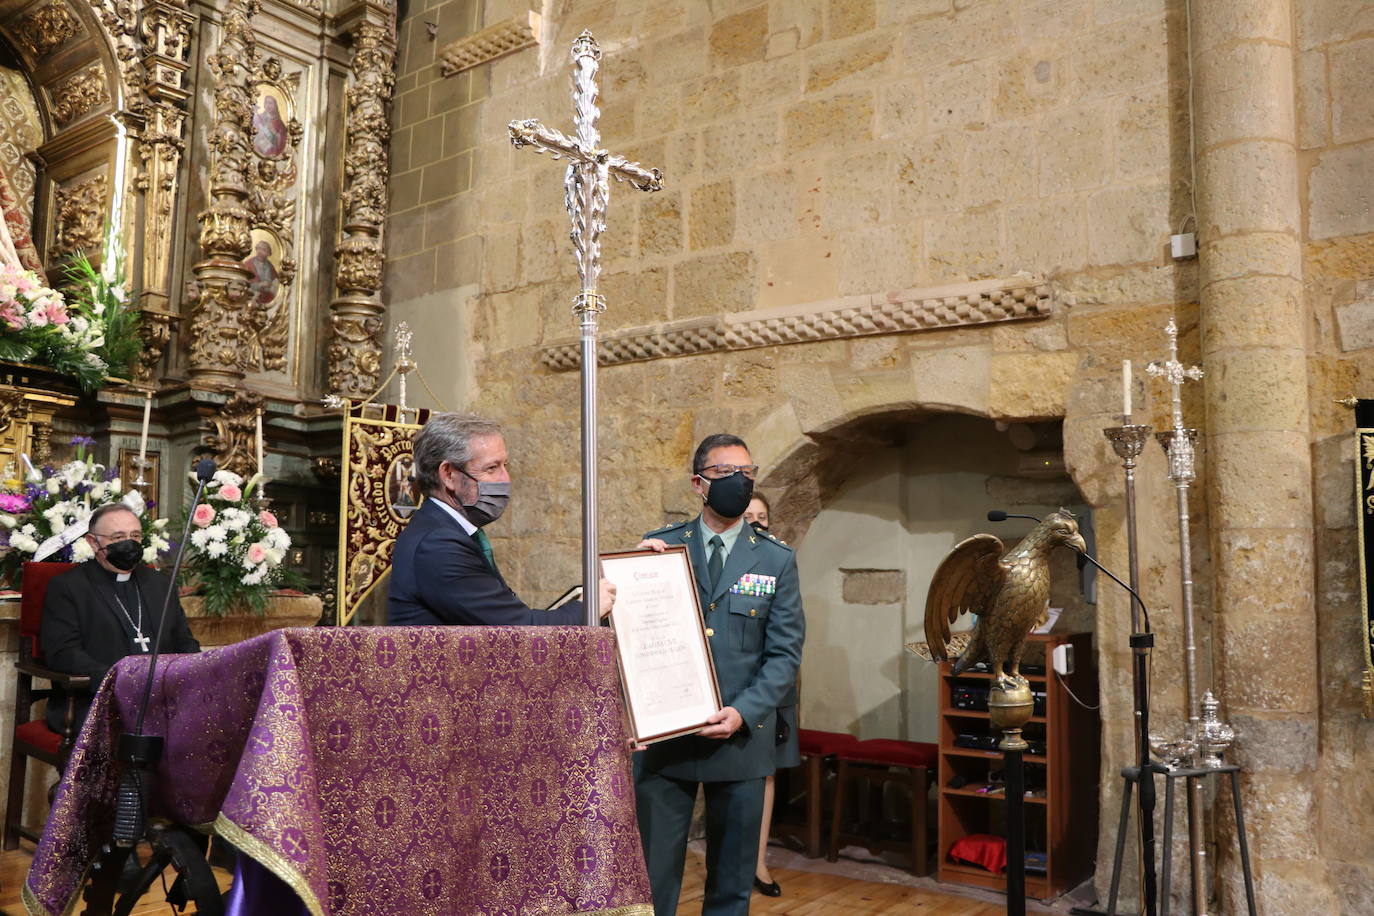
48 28
276 134
79 94
355 349
217 315
155 331
355 353
982 302
495 41
235 431
80 210
120 21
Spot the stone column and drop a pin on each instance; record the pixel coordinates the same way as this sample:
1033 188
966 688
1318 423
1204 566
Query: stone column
1260 487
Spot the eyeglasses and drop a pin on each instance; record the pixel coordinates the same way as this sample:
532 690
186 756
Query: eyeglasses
135 536
717 471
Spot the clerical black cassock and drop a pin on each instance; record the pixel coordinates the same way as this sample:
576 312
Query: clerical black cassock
92 618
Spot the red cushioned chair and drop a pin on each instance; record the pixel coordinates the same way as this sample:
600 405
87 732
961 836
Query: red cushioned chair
818 750
877 763
32 737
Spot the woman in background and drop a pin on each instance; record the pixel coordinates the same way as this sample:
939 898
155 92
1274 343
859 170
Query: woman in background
788 753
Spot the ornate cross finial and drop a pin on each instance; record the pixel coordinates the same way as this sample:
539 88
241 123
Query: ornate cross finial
404 364
1174 372
586 192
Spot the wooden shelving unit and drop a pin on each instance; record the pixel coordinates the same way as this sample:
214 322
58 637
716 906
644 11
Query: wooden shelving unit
1061 817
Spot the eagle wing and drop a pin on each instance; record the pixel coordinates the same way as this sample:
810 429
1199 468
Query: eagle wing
967 581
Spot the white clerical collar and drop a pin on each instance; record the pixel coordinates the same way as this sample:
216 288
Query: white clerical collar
468 526
123 577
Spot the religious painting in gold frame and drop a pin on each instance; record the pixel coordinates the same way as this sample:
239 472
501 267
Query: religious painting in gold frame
377 497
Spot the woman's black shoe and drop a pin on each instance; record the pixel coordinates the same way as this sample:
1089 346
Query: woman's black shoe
767 890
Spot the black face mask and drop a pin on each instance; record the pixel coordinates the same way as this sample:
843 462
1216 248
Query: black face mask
759 526
729 496
124 555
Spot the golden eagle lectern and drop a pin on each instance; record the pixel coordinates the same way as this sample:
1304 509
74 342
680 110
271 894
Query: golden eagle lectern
1010 594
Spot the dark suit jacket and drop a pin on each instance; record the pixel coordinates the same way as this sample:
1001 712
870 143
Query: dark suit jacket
84 632
439 576
756 643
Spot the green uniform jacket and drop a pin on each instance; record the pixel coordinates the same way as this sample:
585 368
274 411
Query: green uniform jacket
757 628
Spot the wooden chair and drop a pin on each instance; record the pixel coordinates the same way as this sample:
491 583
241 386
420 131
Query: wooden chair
32 737
818 750
877 763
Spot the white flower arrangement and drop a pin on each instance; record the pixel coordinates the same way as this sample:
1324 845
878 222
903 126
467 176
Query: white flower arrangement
238 553
48 502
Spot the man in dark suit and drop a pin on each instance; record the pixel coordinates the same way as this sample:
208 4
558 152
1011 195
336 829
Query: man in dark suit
751 598
443 570
107 608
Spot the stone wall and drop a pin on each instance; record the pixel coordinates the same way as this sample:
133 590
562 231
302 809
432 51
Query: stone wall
820 150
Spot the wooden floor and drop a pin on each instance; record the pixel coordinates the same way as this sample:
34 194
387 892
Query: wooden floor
15 865
804 894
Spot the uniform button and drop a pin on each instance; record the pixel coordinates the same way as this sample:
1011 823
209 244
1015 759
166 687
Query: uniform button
712 607
752 612
710 632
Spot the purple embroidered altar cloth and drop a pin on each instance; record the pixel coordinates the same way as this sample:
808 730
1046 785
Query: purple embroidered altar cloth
417 770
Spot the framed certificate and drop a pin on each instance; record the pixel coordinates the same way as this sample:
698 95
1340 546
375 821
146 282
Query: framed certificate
666 669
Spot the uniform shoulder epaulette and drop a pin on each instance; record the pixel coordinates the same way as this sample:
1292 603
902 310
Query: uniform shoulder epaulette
666 528
775 539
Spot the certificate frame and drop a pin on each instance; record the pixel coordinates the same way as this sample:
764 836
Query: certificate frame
686 669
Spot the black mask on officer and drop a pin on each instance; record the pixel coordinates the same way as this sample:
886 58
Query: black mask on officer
729 496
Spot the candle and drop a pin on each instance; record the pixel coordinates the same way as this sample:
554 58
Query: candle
258 442
1126 391
143 436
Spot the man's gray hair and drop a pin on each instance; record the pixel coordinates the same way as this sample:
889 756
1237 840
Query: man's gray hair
448 437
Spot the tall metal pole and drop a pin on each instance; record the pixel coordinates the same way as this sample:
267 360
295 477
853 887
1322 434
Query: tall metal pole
1180 443
586 190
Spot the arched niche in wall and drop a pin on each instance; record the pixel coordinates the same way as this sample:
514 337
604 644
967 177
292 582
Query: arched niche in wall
66 52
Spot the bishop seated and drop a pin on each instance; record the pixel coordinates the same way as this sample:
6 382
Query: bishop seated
106 608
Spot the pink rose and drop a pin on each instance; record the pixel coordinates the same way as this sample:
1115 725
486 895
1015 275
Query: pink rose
267 518
11 315
256 553
203 515
230 492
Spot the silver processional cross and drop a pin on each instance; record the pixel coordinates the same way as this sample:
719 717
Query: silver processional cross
586 192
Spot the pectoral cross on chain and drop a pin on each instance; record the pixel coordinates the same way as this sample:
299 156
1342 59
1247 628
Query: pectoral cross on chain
586 193
142 641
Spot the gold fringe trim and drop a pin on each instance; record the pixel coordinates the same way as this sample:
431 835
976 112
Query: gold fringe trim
36 908
634 909
1369 693
269 859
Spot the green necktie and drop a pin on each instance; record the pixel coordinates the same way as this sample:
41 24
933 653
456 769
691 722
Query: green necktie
716 562
480 537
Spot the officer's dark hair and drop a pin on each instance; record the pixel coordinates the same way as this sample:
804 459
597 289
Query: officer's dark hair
105 510
718 440
448 437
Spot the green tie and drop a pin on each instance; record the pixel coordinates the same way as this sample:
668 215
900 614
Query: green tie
716 562
480 537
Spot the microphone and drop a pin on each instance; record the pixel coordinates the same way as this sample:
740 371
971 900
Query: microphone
137 751
998 515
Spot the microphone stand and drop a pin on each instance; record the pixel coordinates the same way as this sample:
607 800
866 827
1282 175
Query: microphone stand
140 753
1143 772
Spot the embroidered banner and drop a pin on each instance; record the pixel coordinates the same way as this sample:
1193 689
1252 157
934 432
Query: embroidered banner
1364 511
377 496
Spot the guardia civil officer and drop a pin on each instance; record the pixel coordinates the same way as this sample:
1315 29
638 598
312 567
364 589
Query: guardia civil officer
747 582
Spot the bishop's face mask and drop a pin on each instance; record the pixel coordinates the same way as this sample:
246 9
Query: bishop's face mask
492 498
729 496
124 555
